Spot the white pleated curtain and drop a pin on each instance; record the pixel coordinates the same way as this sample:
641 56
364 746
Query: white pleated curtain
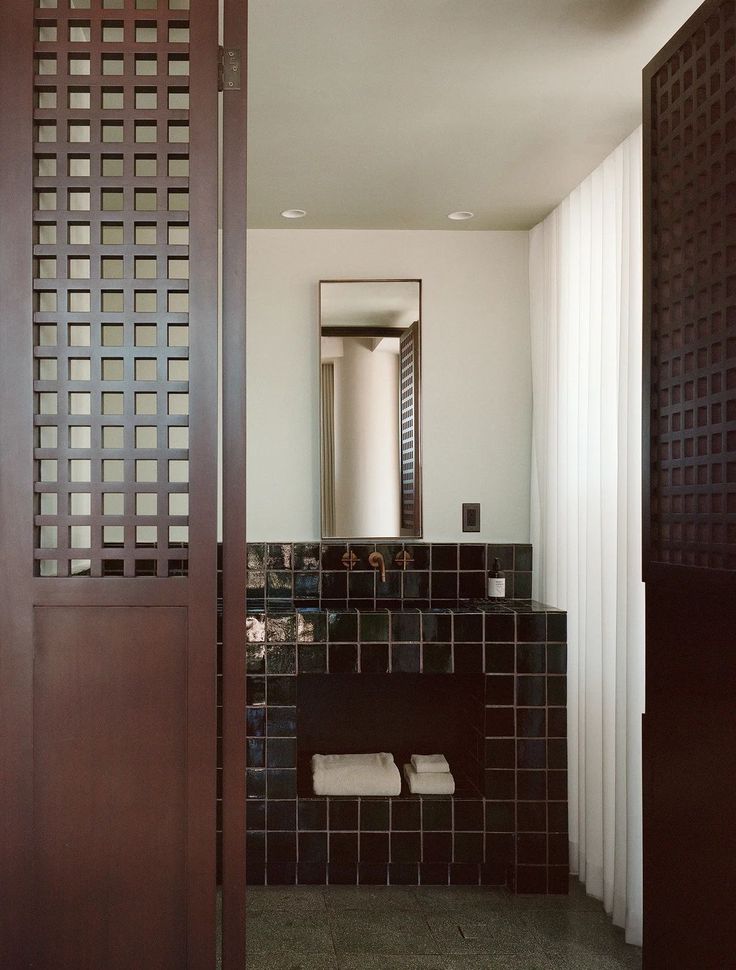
586 320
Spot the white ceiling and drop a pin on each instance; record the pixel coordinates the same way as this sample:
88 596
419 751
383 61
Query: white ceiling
393 113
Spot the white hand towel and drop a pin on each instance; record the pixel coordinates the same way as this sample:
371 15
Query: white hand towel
429 762
429 782
355 774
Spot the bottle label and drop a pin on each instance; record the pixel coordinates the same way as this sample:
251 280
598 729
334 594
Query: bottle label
496 587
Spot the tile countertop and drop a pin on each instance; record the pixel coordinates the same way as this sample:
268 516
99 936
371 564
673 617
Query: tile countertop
476 621
515 607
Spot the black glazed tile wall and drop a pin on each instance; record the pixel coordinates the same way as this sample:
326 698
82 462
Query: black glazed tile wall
509 826
338 574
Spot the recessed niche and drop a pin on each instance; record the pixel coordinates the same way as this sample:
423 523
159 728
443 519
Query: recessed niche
402 713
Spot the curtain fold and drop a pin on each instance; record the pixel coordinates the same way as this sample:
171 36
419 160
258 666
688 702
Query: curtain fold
328 449
585 268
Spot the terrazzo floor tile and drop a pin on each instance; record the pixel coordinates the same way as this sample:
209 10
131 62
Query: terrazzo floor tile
558 928
578 956
462 899
490 962
291 961
289 899
383 961
497 933
286 933
374 933
378 899
430 928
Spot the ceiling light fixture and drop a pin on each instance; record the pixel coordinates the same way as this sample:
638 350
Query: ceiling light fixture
293 213
460 216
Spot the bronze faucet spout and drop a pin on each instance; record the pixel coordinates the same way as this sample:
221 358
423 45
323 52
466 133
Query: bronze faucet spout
378 562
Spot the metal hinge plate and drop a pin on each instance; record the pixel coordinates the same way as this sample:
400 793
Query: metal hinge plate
230 69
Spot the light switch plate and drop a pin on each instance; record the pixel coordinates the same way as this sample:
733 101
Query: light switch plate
471 516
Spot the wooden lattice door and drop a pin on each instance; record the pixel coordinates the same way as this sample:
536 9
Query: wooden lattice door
690 493
108 451
409 458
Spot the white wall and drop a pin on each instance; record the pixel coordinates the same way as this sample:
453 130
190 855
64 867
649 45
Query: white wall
476 373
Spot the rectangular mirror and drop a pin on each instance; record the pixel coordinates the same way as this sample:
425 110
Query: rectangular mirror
370 339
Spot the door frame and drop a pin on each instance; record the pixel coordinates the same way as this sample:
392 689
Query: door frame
233 378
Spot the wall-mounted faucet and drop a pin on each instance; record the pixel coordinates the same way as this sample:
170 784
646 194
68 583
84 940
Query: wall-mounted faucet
378 562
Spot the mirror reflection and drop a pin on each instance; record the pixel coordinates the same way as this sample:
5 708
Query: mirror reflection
370 391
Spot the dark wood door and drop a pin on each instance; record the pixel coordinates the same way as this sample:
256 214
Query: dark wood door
108 431
690 495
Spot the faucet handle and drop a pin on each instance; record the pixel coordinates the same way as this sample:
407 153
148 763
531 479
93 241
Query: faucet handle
403 559
349 560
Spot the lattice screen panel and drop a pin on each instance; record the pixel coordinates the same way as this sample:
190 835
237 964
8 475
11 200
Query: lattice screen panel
111 323
408 377
693 300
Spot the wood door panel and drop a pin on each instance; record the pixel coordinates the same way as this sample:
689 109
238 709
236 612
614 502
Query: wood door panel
108 427
689 731
110 786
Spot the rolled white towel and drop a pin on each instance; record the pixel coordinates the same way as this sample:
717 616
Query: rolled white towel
429 782
429 762
355 774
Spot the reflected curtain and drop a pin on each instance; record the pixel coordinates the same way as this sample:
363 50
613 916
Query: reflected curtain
586 319
328 449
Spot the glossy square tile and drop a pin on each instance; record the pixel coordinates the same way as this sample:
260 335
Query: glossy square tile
468 627
312 658
281 815
343 658
374 658
281 657
342 626
281 691
279 585
531 753
374 627
306 556
343 814
500 816
256 556
419 556
472 556
311 626
504 554
256 815
405 627
436 814
334 585
306 586
332 554
437 658
281 753
374 815
405 658
343 847
312 813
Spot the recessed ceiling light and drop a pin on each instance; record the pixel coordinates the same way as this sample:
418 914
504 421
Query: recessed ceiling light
460 216
293 213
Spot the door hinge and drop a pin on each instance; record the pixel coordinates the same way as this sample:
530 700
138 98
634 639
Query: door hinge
230 69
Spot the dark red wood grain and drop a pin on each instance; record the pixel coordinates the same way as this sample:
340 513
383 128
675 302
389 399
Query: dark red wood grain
108 750
689 733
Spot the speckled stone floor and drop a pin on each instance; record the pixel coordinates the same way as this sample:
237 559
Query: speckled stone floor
453 928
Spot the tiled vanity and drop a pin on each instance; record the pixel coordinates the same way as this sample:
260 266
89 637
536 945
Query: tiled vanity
483 682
